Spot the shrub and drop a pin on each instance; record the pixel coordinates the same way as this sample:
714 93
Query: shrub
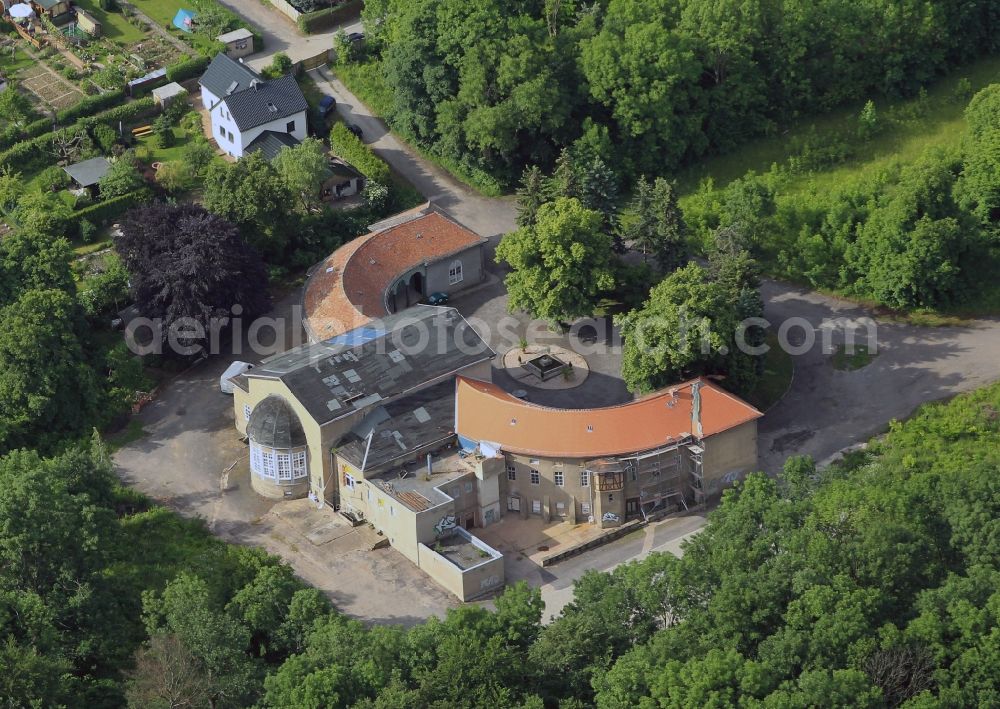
53 178
164 131
105 136
280 65
350 148
109 5
186 69
87 230
104 212
327 17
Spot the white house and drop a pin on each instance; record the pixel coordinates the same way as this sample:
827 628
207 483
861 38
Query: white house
245 107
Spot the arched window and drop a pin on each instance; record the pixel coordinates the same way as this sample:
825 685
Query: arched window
455 272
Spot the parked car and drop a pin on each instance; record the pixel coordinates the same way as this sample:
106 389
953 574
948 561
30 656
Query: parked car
356 36
326 105
356 129
438 298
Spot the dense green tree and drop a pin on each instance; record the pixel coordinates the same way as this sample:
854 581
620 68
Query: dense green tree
561 265
47 388
304 168
689 326
252 195
654 224
918 248
599 190
531 195
123 178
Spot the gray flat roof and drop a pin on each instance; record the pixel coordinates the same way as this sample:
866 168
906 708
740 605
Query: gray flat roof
88 172
385 359
168 90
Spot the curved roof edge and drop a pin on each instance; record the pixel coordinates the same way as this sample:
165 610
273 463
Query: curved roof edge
349 287
484 412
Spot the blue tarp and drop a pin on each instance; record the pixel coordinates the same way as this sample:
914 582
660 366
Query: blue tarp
358 336
184 20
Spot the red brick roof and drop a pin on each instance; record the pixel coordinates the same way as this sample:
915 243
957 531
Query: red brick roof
348 289
484 412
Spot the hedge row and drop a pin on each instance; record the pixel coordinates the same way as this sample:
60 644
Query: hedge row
13 134
346 145
310 22
89 105
188 68
28 152
104 212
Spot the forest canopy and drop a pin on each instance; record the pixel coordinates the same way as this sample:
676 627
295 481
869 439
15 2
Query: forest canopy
497 85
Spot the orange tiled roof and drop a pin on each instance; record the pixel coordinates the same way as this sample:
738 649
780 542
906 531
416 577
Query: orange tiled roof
348 289
484 412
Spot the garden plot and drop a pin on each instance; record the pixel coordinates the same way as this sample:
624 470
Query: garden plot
156 52
49 88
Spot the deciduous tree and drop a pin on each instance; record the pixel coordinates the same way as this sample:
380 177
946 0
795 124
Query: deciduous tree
560 266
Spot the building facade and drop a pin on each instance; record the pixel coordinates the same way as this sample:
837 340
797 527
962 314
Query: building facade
244 107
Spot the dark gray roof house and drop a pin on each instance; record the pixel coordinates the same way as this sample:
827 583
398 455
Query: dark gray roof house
266 101
224 76
270 143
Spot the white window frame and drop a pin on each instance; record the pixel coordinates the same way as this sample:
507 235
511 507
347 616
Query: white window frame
247 411
349 480
256 459
585 509
535 477
455 272
558 477
511 472
283 466
299 467
536 507
267 465
584 478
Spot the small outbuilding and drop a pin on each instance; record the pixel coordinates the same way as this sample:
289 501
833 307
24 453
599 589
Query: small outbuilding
163 96
88 23
88 173
239 43
345 180
51 8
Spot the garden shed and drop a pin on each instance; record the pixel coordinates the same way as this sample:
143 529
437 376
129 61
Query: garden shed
163 96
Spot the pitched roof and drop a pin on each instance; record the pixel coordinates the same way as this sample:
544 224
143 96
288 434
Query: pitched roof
237 34
266 101
349 287
270 143
484 412
393 357
223 72
88 172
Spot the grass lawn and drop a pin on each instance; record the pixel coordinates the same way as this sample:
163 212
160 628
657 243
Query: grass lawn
845 362
914 127
778 369
164 11
150 146
12 62
113 24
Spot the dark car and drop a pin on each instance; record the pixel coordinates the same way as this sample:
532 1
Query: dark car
356 129
438 298
326 105
356 36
